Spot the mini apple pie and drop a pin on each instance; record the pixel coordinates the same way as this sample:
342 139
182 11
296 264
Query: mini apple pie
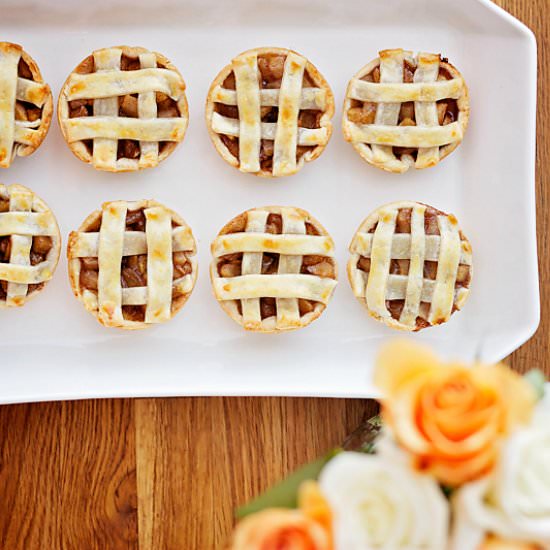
406 110
29 245
123 109
132 264
273 268
411 265
26 104
269 111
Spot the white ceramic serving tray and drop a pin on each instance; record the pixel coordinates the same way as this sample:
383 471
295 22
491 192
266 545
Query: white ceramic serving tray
53 349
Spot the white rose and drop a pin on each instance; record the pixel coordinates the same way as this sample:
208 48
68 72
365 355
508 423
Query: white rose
515 502
378 502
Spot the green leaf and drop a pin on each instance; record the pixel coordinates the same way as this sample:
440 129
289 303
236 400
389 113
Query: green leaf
285 493
536 378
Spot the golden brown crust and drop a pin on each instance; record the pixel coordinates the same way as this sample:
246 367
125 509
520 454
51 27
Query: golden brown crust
78 148
314 74
92 221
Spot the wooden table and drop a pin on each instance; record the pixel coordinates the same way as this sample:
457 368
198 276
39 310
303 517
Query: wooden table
160 474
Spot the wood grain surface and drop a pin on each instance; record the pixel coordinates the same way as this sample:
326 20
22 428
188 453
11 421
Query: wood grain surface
157 474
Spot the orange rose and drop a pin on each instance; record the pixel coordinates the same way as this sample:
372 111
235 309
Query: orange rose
308 528
451 417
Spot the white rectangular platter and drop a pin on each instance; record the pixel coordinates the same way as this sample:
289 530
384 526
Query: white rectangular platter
53 349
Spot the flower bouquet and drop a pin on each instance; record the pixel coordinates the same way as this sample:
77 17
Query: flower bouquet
458 460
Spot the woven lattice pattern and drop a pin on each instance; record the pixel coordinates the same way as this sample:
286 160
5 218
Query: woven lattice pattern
126 293
126 105
410 265
270 111
273 269
405 110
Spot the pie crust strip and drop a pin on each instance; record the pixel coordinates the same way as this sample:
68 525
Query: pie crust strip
288 310
401 246
147 109
284 157
110 252
112 83
254 286
9 60
298 243
22 221
449 259
25 133
105 147
112 128
268 130
247 82
417 254
378 92
137 295
397 290
252 266
159 264
380 263
310 98
427 70
26 274
387 113
406 136
31 91
135 242
20 201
